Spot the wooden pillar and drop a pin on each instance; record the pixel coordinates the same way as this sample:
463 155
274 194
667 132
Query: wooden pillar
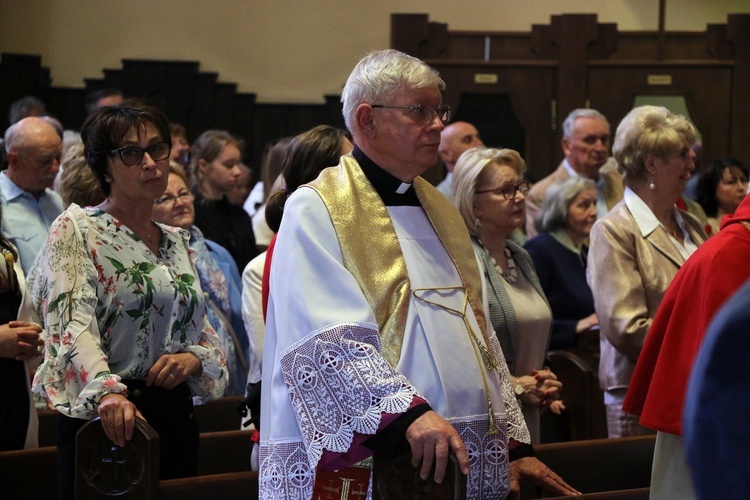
572 33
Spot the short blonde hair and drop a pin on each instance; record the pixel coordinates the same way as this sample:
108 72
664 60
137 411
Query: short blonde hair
78 184
649 130
470 173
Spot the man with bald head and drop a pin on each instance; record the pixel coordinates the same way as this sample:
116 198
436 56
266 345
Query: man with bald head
585 142
454 140
29 205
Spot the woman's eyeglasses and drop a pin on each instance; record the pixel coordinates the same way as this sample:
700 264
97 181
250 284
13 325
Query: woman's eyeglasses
508 192
133 155
169 200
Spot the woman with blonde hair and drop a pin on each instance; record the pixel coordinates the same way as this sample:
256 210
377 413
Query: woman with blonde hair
637 248
489 191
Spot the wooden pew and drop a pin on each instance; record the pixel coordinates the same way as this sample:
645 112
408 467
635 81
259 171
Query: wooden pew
29 473
214 416
601 465
33 473
242 485
632 494
584 400
219 415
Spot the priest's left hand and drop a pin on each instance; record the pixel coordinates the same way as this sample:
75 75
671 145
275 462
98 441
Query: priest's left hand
530 470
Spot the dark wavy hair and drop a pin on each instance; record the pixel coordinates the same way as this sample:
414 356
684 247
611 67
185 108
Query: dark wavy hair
307 155
705 191
104 129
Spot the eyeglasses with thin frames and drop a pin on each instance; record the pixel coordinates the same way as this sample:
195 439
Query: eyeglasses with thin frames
133 155
169 200
508 192
425 113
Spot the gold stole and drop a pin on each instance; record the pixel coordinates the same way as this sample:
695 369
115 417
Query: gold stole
372 253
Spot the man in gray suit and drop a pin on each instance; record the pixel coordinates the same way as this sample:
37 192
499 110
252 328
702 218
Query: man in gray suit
586 142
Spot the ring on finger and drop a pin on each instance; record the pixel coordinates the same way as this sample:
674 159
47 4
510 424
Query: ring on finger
171 375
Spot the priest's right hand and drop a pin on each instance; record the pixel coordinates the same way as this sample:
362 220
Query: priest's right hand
432 438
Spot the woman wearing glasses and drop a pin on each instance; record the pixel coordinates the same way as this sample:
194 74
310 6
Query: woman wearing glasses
126 329
218 274
489 192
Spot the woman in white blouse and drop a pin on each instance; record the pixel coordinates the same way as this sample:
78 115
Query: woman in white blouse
126 329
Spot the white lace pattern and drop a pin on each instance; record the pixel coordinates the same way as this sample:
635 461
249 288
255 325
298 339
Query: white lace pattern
339 384
285 471
516 425
488 454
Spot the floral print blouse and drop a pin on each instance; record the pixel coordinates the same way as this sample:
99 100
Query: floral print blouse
110 308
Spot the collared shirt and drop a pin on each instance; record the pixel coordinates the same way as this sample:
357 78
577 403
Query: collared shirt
601 200
647 222
26 220
446 185
562 237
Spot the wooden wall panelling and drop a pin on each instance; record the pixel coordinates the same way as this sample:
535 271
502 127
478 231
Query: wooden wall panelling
594 64
738 33
613 87
198 100
524 123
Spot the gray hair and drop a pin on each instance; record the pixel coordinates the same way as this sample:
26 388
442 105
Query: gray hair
468 174
26 106
379 75
19 136
579 113
553 214
649 130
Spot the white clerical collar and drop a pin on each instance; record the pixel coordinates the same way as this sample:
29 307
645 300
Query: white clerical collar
404 187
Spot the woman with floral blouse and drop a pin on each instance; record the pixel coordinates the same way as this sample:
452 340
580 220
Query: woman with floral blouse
125 321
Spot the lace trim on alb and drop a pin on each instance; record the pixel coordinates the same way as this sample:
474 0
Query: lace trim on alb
516 425
339 384
285 471
488 455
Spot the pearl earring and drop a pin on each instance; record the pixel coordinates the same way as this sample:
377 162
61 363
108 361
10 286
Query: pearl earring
651 184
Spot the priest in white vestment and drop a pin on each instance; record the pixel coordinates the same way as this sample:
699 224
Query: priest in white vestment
376 336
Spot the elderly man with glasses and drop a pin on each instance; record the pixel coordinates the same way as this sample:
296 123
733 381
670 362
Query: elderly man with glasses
377 340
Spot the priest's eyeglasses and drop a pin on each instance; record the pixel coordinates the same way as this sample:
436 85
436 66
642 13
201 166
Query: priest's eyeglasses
133 155
425 114
508 192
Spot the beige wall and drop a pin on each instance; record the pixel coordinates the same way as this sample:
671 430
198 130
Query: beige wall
284 50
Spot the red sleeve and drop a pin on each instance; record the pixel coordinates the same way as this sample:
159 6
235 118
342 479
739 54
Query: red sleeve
357 452
265 280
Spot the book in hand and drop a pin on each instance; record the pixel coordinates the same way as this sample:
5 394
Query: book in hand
396 478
